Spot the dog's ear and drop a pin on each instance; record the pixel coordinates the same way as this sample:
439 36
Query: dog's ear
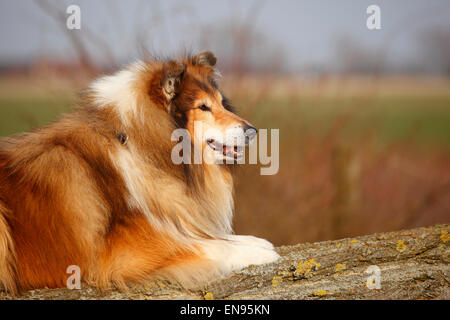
206 58
171 78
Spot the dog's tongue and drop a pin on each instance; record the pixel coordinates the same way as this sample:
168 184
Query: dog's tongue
230 151
227 150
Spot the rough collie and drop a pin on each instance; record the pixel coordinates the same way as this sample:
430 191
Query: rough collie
98 188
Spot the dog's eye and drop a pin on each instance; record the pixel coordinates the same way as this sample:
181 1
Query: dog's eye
204 108
123 138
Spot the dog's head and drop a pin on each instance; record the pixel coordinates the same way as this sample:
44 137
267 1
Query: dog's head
195 101
187 91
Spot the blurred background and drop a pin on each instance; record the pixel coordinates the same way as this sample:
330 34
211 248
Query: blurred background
364 115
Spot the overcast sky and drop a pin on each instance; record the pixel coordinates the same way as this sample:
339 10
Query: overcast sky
307 31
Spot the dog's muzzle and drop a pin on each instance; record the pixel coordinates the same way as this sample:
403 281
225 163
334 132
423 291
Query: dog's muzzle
250 133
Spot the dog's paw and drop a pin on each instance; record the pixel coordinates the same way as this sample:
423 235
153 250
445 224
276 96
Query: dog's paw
253 241
238 252
261 255
252 252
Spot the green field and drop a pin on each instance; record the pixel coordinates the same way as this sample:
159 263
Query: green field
24 114
363 149
417 120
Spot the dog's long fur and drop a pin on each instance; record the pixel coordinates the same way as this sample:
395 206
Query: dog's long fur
98 189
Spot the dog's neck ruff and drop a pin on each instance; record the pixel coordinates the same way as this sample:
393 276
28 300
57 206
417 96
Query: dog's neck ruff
173 208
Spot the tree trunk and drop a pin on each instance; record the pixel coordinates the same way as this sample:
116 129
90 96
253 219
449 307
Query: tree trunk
411 264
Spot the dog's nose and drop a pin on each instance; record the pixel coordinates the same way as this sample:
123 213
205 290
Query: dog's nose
250 133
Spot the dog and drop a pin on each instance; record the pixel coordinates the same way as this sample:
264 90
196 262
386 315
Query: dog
98 189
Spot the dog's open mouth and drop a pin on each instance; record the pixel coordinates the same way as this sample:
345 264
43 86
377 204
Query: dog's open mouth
228 151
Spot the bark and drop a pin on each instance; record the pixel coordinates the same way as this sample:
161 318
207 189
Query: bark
413 264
